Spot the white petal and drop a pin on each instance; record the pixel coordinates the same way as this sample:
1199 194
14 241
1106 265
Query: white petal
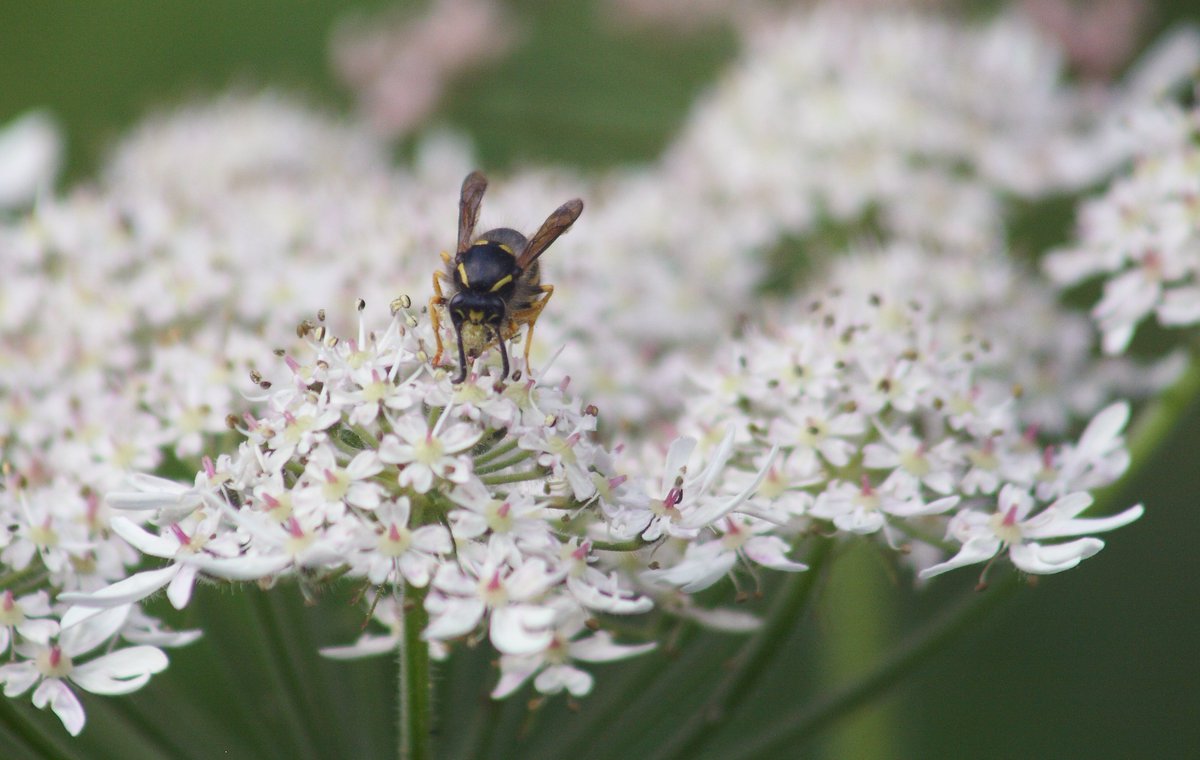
1042 559
143 540
771 551
1180 306
1084 525
30 154
243 568
616 602
514 671
18 677
976 550
63 702
600 648
555 679
120 672
367 646
677 458
93 632
133 589
179 590
521 628
457 618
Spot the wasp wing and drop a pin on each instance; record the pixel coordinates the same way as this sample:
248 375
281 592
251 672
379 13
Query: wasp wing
469 201
554 226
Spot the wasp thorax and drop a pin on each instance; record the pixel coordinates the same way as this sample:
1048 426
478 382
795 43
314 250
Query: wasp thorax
488 267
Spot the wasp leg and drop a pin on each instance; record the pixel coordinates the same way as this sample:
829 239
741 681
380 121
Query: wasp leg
530 316
434 302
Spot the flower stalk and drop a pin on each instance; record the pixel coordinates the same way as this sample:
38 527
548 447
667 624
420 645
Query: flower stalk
416 705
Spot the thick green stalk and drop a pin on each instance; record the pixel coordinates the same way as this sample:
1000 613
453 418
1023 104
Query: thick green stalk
1151 428
416 700
752 661
791 732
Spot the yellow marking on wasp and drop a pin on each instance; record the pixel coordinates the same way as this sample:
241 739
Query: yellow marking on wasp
507 250
502 282
480 241
476 315
462 272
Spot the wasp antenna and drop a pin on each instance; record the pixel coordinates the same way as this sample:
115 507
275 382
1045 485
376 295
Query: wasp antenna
462 360
503 354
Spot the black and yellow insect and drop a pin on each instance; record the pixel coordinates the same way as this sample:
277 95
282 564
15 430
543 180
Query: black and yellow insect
494 281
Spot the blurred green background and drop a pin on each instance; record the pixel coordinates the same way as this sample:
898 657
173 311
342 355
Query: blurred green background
1102 662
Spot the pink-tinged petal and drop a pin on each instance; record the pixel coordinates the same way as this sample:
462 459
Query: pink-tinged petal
457 617
555 679
120 672
367 646
1042 559
133 589
93 632
522 629
143 540
771 551
514 671
18 677
179 590
601 648
243 568
63 702
979 549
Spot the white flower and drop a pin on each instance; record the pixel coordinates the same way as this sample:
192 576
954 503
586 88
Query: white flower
508 591
554 665
425 453
52 665
1015 527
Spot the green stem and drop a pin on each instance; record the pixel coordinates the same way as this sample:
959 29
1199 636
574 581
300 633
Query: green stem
786 735
516 477
496 451
416 703
502 464
752 661
631 545
1155 423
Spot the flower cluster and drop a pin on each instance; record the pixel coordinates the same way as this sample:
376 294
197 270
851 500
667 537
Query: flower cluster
868 414
909 406
490 500
1143 234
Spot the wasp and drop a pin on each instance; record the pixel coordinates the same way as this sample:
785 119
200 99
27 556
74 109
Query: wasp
494 281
